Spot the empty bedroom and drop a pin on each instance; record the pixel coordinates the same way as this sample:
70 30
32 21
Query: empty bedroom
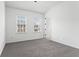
39 28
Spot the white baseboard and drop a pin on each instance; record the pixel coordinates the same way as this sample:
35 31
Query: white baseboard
65 43
23 40
2 47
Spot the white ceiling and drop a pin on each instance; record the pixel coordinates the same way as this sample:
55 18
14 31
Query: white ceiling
40 6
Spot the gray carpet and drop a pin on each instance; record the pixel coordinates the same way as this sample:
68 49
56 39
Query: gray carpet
39 48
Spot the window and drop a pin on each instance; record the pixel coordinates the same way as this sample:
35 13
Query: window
37 23
21 24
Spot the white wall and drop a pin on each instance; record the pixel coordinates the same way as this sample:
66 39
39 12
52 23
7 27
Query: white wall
64 23
11 34
2 26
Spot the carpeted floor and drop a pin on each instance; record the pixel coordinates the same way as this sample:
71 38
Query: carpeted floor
39 48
